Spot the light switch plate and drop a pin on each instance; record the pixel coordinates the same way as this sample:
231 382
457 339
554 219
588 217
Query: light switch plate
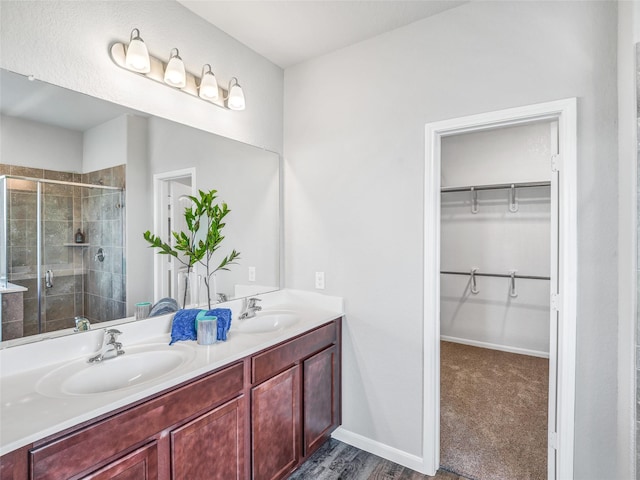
320 280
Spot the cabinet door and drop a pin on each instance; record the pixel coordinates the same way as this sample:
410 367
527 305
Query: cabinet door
14 466
142 464
276 425
321 398
211 447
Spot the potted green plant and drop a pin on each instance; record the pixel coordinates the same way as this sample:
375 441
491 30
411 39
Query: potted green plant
204 221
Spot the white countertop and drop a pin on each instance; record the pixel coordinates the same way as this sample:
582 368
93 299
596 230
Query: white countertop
12 288
26 415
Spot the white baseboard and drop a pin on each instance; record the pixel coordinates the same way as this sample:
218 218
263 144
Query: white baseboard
380 449
494 346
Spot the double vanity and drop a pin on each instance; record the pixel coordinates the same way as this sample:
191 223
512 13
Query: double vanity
254 406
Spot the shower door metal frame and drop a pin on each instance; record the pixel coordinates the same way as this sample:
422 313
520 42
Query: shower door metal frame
562 364
4 225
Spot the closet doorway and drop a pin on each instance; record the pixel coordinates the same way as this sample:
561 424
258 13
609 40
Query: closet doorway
531 257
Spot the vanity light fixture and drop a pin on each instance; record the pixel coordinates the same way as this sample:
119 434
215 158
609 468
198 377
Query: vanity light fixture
208 88
135 58
235 98
175 74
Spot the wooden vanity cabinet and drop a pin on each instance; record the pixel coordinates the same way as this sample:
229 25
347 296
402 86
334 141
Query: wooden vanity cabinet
258 418
295 400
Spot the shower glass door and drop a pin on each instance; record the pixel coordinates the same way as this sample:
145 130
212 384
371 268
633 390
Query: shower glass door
65 275
61 266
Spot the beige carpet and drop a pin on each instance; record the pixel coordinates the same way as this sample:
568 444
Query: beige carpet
493 423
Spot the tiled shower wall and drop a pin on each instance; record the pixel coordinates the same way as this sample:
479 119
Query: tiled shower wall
81 284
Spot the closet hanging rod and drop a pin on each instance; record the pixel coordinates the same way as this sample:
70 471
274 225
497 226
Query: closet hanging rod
500 275
495 186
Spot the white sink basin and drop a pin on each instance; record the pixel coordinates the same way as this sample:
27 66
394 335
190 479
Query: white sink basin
268 321
140 364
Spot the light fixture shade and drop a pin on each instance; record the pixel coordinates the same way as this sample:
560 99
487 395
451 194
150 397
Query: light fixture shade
208 85
235 100
175 74
137 57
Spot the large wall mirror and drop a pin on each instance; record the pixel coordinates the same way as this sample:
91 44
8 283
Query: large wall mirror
82 179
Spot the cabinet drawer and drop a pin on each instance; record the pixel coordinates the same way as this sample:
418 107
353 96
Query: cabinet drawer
92 446
267 364
139 465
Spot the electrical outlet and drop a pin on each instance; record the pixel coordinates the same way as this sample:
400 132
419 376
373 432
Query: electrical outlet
320 280
252 274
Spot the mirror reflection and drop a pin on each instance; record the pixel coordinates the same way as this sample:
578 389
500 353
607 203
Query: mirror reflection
81 180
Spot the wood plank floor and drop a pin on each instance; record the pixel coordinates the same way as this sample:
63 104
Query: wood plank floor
336 460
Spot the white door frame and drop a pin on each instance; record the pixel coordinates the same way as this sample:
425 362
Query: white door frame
159 182
565 303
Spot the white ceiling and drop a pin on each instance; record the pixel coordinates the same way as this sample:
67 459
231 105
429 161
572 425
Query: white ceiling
290 32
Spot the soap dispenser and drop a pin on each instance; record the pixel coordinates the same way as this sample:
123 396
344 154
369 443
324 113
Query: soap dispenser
79 237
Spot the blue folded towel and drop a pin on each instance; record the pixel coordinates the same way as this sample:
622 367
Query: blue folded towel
224 321
184 323
183 326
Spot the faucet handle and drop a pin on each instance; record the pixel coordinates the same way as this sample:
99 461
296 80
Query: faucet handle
111 335
253 301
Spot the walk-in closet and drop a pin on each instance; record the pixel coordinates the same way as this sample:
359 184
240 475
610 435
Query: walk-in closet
496 271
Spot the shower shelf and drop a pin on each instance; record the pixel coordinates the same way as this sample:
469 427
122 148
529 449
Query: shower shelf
76 244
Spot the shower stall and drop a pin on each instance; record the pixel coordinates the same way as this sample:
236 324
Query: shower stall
62 249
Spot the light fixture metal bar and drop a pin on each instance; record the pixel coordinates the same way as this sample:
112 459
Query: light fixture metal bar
118 54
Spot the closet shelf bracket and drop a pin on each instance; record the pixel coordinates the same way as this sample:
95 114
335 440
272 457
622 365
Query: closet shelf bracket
474 200
513 202
512 284
474 285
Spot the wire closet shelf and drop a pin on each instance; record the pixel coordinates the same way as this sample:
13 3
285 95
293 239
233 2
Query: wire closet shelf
512 187
473 273
494 186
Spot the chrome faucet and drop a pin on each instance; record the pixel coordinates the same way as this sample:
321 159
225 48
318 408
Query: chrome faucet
221 297
111 348
249 308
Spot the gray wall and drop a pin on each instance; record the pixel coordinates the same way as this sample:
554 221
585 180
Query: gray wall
637 262
56 148
628 36
354 160
246 178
